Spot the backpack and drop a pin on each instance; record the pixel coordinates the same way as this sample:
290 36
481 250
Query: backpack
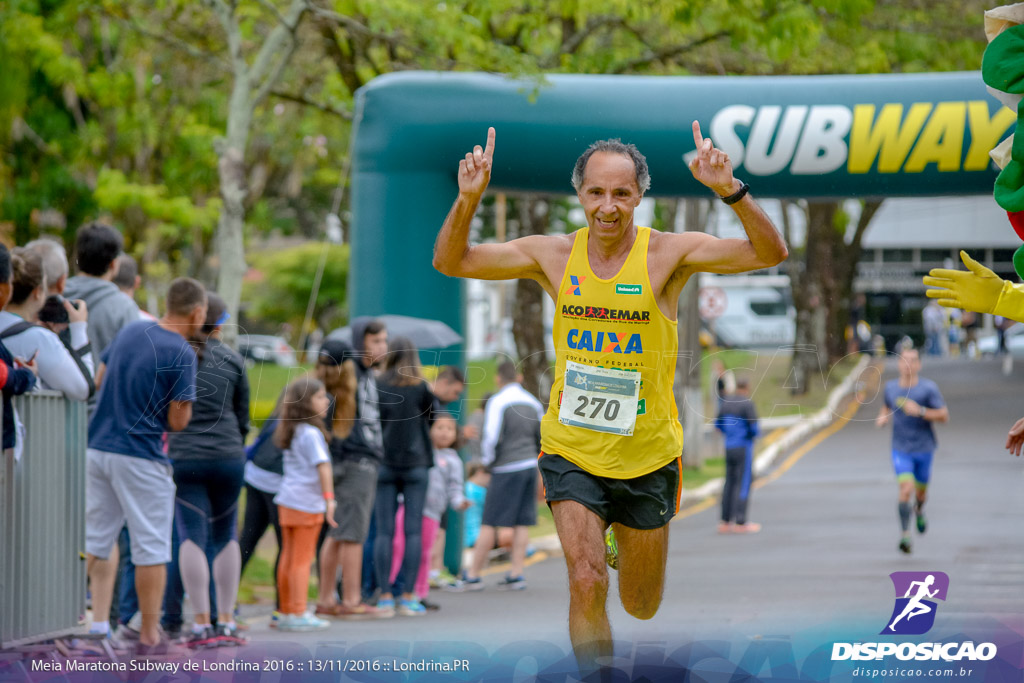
263 452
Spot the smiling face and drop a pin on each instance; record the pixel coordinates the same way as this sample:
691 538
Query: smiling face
609 193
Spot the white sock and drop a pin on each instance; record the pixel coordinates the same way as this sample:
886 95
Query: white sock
199 628
100 627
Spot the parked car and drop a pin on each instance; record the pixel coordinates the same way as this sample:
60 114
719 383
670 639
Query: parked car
755 317
1014 342
266 348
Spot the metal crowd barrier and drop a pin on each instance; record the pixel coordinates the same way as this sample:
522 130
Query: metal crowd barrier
42 522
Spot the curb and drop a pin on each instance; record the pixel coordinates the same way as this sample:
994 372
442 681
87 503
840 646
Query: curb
803 428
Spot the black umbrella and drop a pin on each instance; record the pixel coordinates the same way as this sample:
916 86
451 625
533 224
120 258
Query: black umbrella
424 333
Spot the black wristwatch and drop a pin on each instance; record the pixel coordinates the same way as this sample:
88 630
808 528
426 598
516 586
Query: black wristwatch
737 195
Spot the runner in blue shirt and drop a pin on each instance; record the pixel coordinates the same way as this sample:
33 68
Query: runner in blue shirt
913 404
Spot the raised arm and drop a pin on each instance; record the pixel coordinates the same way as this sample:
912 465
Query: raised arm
764 246
452 253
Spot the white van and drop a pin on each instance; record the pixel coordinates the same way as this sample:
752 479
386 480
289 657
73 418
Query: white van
757 313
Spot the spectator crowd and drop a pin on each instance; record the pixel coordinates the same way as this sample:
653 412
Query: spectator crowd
356 470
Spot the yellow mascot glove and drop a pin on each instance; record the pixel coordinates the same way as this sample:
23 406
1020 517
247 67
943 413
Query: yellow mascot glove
976 289
1011 302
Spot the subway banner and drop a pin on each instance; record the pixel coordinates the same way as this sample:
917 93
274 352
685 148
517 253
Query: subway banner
807 136
788 136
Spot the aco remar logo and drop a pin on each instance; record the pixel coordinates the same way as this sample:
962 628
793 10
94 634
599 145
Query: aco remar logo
916 593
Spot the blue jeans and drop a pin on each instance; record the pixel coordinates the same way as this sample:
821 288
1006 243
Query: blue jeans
412 484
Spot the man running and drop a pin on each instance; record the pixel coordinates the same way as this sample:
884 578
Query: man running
611 437
915 607
913 404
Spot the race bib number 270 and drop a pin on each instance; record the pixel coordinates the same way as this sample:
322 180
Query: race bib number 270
600 399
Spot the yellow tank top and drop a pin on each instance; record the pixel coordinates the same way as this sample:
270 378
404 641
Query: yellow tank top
616 327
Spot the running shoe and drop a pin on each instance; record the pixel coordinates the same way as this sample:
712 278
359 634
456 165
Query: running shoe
228 635
387 606
512 583
302 622
922 522
905 545
611 549
202 639
430 606
411 608
456 586
469 584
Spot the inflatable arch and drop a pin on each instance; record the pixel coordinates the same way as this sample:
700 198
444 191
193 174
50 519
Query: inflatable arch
799 136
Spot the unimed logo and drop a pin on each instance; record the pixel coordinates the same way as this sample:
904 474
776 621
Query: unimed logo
914 611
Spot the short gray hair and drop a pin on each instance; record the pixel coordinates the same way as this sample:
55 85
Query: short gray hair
614 146
55 258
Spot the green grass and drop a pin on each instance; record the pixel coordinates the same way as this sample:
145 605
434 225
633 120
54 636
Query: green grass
266 382
713 468
545 522
771 382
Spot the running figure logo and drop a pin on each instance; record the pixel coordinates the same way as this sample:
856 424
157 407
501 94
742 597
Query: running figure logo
914 612
574 288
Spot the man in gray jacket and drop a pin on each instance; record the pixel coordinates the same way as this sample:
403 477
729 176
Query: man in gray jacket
510 445
97 249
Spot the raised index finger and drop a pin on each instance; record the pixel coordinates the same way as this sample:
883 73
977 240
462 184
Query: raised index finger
698 139
489 147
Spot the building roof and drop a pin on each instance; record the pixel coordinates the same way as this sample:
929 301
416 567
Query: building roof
961 222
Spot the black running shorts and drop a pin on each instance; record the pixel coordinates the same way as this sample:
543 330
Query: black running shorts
646 502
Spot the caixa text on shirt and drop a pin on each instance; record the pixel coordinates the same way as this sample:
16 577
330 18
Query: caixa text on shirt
604 342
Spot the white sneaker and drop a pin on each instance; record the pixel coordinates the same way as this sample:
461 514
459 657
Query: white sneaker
302 622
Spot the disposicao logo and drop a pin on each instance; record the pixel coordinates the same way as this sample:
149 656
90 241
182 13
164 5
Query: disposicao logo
574 289
916 592
914 614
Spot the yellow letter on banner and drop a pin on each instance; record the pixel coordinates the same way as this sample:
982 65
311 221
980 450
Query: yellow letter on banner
942 140
886 139
985 132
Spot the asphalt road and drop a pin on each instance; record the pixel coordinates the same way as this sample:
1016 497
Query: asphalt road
818 570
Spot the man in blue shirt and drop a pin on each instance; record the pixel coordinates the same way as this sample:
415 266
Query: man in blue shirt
737 420
147 385
913 404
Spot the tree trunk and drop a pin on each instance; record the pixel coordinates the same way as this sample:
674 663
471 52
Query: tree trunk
687 386
823 288
233 189
250 86
528 307
813 298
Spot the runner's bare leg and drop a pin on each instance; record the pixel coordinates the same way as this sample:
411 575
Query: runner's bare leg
643 554
581 533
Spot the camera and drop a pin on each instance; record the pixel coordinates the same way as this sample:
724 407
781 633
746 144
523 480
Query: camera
53 310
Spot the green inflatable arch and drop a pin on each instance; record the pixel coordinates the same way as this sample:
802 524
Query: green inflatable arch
813 136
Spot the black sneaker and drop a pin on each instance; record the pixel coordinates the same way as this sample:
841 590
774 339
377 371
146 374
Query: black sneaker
430 606
199 640
469 584
510 583
905 545
227 635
